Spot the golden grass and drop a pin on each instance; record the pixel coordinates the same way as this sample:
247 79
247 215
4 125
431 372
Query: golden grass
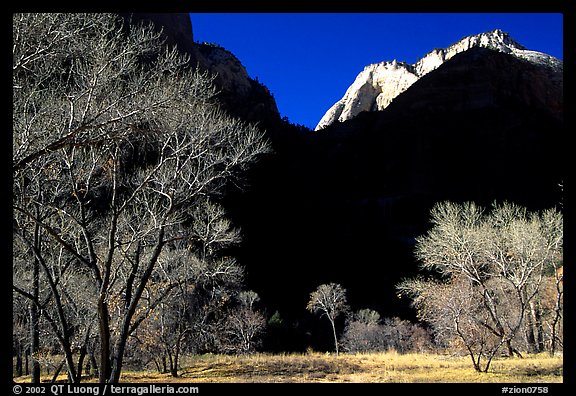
371 367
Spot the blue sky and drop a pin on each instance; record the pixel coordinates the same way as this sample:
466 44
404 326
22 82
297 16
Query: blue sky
309 60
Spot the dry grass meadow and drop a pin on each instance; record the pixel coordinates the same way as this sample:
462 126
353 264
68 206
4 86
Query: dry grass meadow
352 368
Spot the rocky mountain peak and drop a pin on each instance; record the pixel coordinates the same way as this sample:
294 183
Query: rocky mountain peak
378 84
495 39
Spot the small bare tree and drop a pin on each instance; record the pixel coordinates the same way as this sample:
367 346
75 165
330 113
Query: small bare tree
242 328
247 298
330 301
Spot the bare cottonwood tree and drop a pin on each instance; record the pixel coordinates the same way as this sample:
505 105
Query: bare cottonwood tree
46 276
116 141
456 317
244 324
492 266
330 301
190 287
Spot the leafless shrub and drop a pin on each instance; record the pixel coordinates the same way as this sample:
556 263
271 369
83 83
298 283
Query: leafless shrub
367 333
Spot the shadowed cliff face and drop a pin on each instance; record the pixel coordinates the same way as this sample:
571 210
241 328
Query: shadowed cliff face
483 78
346 203
239 94
176 27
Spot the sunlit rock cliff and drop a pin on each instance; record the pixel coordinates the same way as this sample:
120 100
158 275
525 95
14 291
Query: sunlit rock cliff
379 84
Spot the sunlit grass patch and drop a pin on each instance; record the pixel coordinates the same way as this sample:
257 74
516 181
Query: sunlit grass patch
362 367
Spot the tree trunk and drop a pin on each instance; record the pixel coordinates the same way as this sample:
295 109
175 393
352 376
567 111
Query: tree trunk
57 371
475 363
93 364
174 370
71 368
27 361
536 333
34 344
488 361
334 332
125 330
539 328
557 314
34 315
19 348
509 349
531 330
80 367
104 328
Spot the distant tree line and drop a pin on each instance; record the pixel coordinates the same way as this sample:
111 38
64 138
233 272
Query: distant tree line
494 287
364 330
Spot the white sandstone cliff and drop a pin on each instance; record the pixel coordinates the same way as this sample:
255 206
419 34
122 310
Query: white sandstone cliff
378 84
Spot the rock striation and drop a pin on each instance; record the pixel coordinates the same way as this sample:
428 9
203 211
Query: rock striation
379 84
